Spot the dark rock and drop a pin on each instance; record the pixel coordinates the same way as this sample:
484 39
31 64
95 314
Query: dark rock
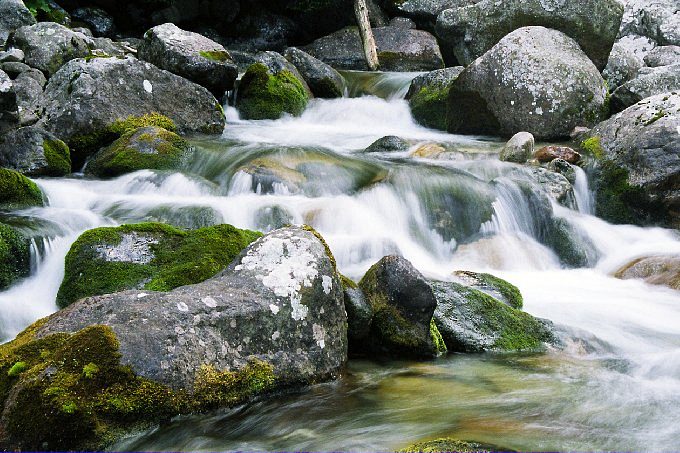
655 270
13 15
14 68
15 256
564 168
519 148
359 315
402 22
96 19
663 56
9 116
34 152
263 31
389 144
451 444
428 96
649 82
549 153
323 81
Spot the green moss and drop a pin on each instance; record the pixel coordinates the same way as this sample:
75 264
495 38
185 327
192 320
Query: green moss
90 370
429 105
656 117
16 369
224 388
347 282
17 191
262 95
593 147
179 258
509 291
219 56
440 346
15 256
449 444
37 6
58 157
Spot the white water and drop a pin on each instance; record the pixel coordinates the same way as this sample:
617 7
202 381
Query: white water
639 323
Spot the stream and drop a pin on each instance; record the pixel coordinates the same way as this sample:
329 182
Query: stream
616 388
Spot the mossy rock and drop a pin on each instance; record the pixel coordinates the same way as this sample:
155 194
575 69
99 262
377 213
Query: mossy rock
149 256
429 105
449 444
69 391
263 95
495 287
15 256
57 156
17 191
149 147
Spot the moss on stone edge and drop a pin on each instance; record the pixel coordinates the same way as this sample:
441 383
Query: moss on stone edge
219 56
429 105
15 256
325 244
440 346
510 292
593 147
17 191
263 95
179 258
58 157
74 407
448 444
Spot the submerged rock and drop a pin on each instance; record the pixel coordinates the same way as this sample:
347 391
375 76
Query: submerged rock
428 95
17 191
450 444
263 95
34 152
15 256
649 82
656 270
519 148
323 80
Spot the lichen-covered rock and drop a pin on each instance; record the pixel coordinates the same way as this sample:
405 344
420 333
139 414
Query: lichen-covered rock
29 93
658 21
424 12
359 314
323 81
472 321
149 147
519 148
48 46
85 99
11 55
388 144
149 256
402 305
34 152
639 152
473 30
191 56
428 95
535 80
656 270
14 68
398 49
95 19
13 15
108 364
15 256
649 82
663 56
622 66
263 95
17 191
449 444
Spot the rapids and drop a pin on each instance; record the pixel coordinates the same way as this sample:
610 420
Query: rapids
616 387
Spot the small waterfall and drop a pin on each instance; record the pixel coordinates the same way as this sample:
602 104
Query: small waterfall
584 196
385 85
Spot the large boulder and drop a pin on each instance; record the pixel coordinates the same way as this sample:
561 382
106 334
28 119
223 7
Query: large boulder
17 191
639 152
473 30
424 12
323 80
48 46
535 80
15 256
656 270
274 319
399 49
402 305
428 95
149 256
34 152
622 66
85 99
649 81
191 56
13 15
658 21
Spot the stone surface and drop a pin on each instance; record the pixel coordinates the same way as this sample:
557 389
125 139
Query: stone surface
387 144
48 46
622 66
428 95
656 270
11 55
658 21
649 81
519 148
550 153
29 93
9 116
323 80
13 15
663 56
359 315
96 20
34 152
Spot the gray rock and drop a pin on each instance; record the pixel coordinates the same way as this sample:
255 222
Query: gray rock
359 315
84 98
96 20
14 68
663 56
402 22
277 63
13 15
191 56
29 94
8 103
564 168
495 287
398 50
281 302
575 250
36 75
48 46
622 66
11 55
475 29
323 80
535 80
387 144
424 12
658 20
107 47
428 95
34 152
649 82
555 185
519 148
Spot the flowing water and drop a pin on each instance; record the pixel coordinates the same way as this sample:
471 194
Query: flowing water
616 388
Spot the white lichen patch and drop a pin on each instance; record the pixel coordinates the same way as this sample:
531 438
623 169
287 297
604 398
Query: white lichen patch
209 302
319 335
276 335
132 248
181 306
327 283
147 86
274 308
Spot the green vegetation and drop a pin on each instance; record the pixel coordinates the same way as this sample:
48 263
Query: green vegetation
58 157
219 56
509 291
177 258
593 147
429 105
439 345
15 256
266 96
17 191
449 444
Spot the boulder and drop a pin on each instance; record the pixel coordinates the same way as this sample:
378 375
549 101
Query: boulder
191 56
473 30
276 63
14 68
639 152
424 12
491 285
17 191
535 80
34 152
85 100
649 81
450 444
11 55
389 144
323 81
564 168
15 256
663 56
150 256
656 270
95 19
472 321
13 15
29 93
622 66
658 21
274 319
402 305
48 46
266 95
398 50
519 148
263 30
359 314
428 94
550 153
9 115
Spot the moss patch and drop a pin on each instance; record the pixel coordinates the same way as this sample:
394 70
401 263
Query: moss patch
15 256
178 258
509 291
58 157
219 56
17 191
429 105
449 444
263 95
593 147
437 339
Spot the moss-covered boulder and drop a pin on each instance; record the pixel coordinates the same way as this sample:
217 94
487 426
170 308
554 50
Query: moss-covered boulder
34 152
150 147
152 256
449 444
472 321
427 96
402 305
15 256
263 95
17 191
495 287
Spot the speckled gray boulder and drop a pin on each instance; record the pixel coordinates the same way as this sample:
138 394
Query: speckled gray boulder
658 20
475 29
13 15
29 93
281 302
649 82
191 56
535 80
48 46
34 152
623 65
323 80
663 56
424 12
519 148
